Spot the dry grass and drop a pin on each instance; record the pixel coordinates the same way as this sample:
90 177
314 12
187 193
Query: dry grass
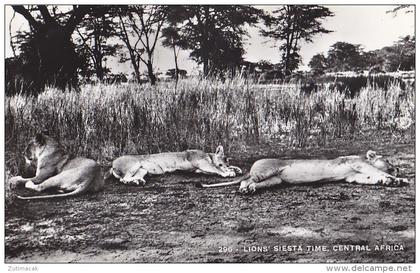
105 121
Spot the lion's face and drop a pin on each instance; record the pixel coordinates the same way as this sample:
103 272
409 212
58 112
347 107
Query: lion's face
221 162
386 166
30 151
35 146
382 164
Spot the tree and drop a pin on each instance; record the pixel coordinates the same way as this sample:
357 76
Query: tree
132 48
214 34
291 25
175 73
47 50
372 61
344 56
265 65
172 39
143 24
318 64
94 34
406 7
401 56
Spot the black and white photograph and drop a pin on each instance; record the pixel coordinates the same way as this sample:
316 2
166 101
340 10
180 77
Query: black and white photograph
209 133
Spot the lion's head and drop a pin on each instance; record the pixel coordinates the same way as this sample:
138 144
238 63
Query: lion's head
381 163
221 162
37 146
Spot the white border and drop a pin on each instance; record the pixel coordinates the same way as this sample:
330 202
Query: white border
176 267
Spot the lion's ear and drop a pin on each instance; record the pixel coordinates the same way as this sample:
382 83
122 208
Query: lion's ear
370 154
220 150
40 138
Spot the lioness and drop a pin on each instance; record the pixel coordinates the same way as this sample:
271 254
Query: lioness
57 171
369 169
131 169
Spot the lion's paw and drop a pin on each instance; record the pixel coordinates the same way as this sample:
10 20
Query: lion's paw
252 188
30 185
249 189
139 182
243 190
229 174
394 182
400 182
237 170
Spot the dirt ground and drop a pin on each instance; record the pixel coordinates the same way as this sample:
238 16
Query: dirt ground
172 220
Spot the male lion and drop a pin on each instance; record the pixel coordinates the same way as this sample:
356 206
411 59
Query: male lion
57 171
370 169
131 169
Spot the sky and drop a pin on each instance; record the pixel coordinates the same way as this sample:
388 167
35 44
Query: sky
369 26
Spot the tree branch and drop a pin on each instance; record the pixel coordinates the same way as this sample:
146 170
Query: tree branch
11 36
85 43
77 15
160 24
145 31
46 14
25 13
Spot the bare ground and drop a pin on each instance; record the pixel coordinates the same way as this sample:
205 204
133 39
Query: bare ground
171 220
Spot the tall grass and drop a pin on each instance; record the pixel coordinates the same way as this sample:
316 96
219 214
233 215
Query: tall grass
105 121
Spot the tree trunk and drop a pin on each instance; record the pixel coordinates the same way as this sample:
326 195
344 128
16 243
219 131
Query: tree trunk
176 64
99 70
205 66
133 59
152 76
137 73
135 64
205 46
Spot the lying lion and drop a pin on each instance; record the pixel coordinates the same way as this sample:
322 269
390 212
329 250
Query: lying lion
57 171
370 169
131 169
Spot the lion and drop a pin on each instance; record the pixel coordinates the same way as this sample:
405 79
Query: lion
131 169
58 171
370 169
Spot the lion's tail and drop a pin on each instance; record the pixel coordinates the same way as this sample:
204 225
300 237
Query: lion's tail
83 188
234 182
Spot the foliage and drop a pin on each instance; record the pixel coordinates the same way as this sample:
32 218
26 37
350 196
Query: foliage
214 34
265 65
318 64
351 86
291 25
47 52
94 35
142 23
406 7
343 56
171 38
174 73
401 55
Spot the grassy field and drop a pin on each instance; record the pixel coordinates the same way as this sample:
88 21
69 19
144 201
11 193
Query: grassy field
105 121
169 220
